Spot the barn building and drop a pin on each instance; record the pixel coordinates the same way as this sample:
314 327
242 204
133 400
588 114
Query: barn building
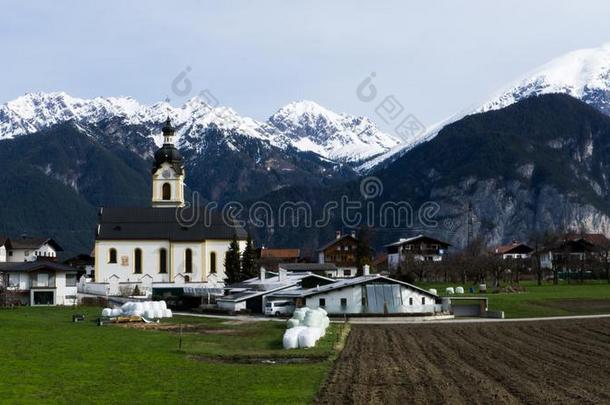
369 294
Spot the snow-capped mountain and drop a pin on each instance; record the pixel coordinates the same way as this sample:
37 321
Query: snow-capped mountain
339 137
305 126
583 74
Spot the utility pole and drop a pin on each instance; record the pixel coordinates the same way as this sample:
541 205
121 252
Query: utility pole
470 222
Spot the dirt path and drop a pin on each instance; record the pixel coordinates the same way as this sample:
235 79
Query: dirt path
566 361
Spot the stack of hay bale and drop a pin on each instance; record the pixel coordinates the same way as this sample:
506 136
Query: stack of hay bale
305 328
147 309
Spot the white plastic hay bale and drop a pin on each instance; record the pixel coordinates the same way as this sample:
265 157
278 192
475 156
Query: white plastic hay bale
291 337
149 314
163 305
307 337
313 319
292 323
459 290
433 291
155 305
300 313
317 332
160 313
167 313
116 312
137 307
449 290
107 312
323 311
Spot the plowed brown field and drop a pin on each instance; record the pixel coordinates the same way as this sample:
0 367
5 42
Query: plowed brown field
528 362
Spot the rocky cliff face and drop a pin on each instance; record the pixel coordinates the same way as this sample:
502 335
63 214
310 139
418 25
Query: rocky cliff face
539 164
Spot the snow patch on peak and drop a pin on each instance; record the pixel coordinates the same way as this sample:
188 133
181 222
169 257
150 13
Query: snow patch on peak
584 74
340 137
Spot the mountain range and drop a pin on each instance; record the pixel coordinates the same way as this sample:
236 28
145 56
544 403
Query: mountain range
527 159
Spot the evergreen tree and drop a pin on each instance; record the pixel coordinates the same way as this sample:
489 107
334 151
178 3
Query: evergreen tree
248 260
232 262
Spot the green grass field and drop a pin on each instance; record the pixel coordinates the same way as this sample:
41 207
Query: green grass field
48 359
545 300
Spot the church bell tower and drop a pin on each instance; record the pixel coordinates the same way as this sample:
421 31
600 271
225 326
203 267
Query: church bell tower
168 173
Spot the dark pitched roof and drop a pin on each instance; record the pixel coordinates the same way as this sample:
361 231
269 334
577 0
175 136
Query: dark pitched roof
25 242
515 246
597 239
337 240
307 266
34 266
418 238
280 253
361 280
174 224
3 240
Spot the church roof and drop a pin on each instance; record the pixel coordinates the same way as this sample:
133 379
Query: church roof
164 224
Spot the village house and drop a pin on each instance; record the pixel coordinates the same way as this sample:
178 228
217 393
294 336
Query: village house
271 257
165 245
322 269
38 282
342 253
571 250
514 250
418 248
28 249
31 275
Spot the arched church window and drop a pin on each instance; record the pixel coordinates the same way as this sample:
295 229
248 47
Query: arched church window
188 259
112 255
213 262
167 191
137 261
163 260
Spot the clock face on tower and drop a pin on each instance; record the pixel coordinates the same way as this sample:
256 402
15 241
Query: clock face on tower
166 174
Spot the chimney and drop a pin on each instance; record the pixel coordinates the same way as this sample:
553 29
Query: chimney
354 233
282 275
366 270
263 273
337 234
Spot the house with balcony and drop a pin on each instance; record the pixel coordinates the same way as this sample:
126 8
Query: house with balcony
341 252
571 250
514 250
419 248
27 249
38 282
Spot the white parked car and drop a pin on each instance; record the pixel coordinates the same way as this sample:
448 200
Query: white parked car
278 308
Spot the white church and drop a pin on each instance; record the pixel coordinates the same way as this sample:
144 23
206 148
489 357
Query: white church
151 248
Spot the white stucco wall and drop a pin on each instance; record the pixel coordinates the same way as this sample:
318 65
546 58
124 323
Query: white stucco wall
201 266
176 182
3 254
29 255
353 294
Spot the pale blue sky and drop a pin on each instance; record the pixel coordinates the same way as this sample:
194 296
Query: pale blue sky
436 57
